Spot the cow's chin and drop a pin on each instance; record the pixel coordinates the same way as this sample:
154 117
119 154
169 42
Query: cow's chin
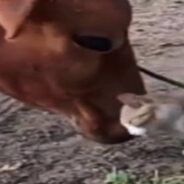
113 133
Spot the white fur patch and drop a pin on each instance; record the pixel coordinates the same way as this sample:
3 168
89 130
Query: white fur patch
136 131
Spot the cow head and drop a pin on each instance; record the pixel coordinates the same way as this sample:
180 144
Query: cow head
56 52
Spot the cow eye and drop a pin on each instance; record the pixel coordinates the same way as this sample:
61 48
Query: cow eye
100 44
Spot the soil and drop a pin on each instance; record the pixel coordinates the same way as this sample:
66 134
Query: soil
37 147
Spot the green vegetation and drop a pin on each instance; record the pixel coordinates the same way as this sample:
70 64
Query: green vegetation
121 177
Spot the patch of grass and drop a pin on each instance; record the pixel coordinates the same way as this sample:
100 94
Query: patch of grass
121 177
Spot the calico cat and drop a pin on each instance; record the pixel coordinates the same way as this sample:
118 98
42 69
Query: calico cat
145 115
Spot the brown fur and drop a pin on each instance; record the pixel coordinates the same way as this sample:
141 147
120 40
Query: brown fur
42 66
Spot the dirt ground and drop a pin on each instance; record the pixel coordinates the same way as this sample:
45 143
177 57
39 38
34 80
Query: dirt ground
44 149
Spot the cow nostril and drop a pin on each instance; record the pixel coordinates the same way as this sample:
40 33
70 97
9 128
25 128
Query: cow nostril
100 44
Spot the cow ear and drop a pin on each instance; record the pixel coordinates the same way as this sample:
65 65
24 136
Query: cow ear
13 13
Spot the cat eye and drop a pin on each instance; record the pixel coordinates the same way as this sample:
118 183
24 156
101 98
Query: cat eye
96 43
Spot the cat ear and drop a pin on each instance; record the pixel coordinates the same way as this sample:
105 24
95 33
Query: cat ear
13 13
130 99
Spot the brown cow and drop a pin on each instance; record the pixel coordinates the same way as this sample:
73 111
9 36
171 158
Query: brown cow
72 57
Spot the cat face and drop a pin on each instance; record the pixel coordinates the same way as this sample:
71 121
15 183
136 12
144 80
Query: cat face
135 120
136 113
149 118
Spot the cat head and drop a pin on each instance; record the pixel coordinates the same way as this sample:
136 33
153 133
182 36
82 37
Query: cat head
146 115
136 113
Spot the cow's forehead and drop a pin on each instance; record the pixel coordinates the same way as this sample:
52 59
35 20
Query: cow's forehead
107 14
107 18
